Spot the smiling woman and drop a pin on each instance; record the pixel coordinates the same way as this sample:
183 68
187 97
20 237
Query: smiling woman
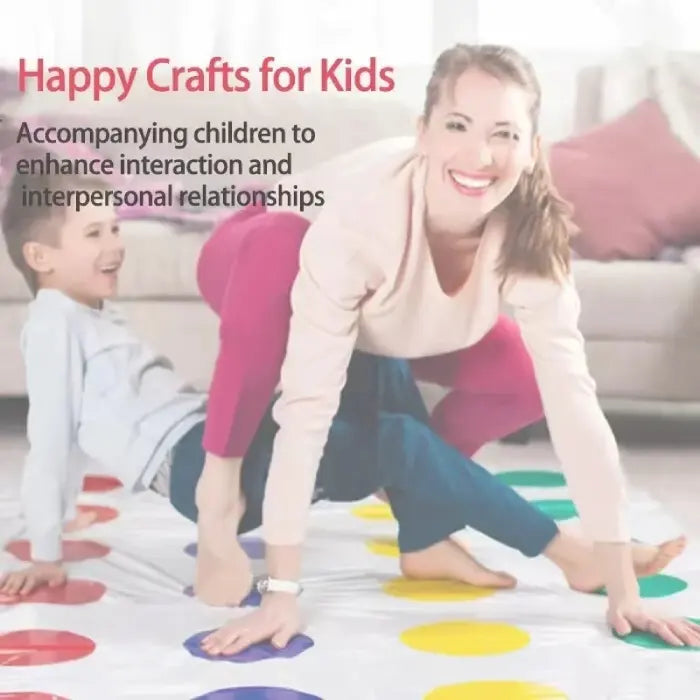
415 254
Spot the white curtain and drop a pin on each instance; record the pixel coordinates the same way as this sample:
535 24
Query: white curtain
664 62
131 31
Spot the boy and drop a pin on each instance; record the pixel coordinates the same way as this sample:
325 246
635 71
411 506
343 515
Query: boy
92 387
96 388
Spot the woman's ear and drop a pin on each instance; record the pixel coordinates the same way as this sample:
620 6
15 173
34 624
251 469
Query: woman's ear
535 154
421 127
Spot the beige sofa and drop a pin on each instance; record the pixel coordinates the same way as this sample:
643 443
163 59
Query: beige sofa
640 319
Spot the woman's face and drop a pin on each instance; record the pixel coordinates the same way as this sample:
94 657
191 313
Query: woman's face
477 142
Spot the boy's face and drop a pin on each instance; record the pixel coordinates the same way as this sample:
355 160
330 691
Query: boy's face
86 262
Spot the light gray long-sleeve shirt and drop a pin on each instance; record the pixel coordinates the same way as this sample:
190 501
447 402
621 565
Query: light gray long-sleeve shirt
94 389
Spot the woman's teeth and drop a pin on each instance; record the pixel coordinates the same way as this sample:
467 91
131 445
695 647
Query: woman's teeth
472 182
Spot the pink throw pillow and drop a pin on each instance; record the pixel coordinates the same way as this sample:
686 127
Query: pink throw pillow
634 186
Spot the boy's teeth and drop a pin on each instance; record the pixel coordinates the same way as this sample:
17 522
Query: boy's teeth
471 181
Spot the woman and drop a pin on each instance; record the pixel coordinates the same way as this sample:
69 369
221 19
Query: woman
412 257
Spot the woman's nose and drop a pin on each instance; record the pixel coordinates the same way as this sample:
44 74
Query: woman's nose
477 155
485 155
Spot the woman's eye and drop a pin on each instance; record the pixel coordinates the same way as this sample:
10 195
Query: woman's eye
456 126
505 134
93 234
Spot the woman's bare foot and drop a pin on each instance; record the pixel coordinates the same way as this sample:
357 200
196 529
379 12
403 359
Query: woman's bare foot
82 520
447 560
577 560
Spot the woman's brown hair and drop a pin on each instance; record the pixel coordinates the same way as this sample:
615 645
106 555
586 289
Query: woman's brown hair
539 220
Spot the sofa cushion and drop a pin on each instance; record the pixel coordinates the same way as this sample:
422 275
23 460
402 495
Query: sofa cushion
638 300
160 263
634 186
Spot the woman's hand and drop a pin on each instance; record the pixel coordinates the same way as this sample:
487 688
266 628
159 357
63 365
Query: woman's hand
277 620
628 614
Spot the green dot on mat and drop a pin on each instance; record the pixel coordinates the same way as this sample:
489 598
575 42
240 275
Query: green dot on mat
541 478
557 509
657 586
651 641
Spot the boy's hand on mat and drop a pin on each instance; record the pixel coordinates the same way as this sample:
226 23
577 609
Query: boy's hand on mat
84 519
25 581
277 620
625 616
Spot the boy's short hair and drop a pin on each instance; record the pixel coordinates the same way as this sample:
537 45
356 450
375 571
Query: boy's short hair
22 224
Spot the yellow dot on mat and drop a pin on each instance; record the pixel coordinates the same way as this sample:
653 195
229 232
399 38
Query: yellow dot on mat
384 546
496 690
466 638
435 591
374 511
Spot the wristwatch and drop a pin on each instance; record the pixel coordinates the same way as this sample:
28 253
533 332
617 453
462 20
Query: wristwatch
267 584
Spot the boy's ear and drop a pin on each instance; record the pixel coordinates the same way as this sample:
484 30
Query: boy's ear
38 256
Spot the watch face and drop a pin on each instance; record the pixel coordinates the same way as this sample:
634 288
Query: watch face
262 585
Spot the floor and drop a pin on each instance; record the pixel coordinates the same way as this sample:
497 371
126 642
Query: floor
120 633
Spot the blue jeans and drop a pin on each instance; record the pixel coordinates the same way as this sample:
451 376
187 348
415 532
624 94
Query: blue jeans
380 438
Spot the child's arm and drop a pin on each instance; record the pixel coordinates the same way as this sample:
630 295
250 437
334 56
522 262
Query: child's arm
54 371
79 463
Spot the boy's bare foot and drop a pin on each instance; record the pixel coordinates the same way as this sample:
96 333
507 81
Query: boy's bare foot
447 560
224 574
82 520
582 572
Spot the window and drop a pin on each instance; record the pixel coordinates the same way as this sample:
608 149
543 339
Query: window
547 24
590 25
41 29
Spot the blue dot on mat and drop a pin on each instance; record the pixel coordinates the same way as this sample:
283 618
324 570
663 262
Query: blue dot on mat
257 693
254 547
252 600
298 644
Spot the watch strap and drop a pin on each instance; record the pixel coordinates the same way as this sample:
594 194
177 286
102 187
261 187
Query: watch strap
267 584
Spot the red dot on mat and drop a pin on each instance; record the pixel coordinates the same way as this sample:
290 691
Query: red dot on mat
30 696
94 484
73 592
73 550
40 647
104 515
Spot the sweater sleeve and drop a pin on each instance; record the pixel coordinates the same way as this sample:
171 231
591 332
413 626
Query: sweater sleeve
53 362
335 275
548 314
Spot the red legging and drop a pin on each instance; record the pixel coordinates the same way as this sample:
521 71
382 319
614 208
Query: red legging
245 273
494 389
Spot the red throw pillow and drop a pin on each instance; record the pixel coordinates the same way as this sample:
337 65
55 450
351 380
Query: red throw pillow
634 186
